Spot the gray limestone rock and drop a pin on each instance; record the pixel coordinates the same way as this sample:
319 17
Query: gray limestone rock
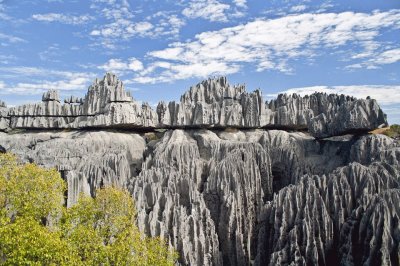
51 95
231 197
213 103
4 117
326 115
86 160
106 104
224 184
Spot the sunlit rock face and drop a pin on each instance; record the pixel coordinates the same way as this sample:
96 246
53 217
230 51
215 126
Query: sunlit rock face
86 160
213 103
106 104
230 180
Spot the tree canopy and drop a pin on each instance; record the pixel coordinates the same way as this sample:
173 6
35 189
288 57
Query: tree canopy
37 229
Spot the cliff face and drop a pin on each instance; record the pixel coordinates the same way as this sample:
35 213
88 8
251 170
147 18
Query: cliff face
212 103
220 184
106 104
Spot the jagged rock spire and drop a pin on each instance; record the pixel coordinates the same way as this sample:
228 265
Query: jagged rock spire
51 95
210 103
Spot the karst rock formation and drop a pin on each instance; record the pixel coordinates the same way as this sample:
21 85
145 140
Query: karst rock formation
224 176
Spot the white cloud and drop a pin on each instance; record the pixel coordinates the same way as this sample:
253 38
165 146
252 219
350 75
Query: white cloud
3 15
22 88
240 3
384 94
62 18
178 71
167 24
376 59
207 9
122 23
124 29
120 67
45 79
214 10
298 8
269 44
388 57
10 38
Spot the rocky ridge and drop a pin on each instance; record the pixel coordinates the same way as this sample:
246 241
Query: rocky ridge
221 186
212 103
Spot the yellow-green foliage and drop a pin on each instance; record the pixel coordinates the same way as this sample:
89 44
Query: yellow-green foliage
36 228
393 131
26 242
30 191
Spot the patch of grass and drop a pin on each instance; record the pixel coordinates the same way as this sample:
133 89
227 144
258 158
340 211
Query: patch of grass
393 131
379 130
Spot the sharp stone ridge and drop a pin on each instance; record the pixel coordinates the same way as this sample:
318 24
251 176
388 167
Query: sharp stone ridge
241 197
229 197
213 103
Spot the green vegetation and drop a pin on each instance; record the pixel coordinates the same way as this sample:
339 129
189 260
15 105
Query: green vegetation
393 131
37 229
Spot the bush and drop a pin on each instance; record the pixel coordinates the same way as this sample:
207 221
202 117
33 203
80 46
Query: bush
393 131
37 229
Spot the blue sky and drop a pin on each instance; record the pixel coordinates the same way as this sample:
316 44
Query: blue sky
161 48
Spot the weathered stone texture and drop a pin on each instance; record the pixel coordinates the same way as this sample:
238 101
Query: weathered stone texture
221 185
212 103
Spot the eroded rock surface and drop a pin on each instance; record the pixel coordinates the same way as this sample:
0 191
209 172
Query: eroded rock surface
220 184
86 160
232 197
106 104
213 103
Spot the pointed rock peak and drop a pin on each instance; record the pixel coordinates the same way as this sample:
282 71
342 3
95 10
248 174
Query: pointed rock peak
109 89
222 81
111 79
51 95
213 90
215 82
73 100
3 104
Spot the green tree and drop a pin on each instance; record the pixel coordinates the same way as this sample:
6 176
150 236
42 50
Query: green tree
37 229
30 191
103 231
26 242
31 202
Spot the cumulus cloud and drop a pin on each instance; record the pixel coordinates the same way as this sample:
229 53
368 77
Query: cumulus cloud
388 57
45 79
62 18
167 24
269 44
375 59
240 3
384 94
122 23
120 67
212 10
